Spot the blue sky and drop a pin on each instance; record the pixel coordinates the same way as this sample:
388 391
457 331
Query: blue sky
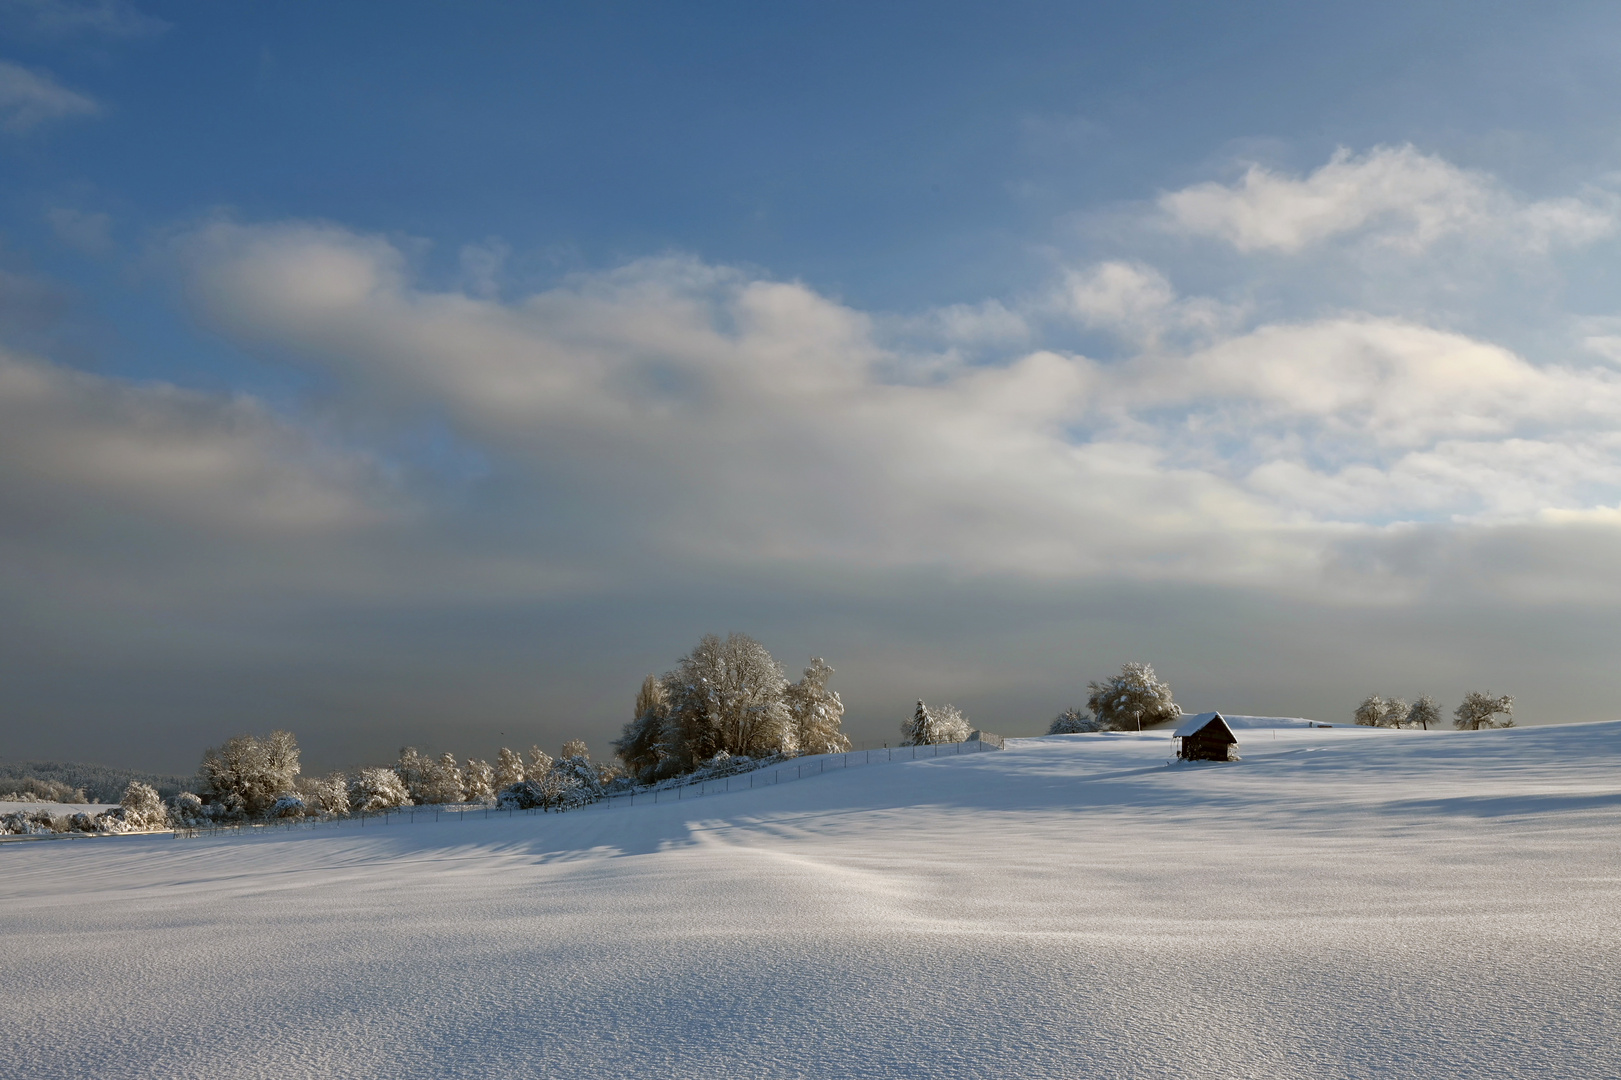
408 372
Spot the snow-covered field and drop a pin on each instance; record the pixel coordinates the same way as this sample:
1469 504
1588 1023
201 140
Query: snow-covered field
56 809
1341 903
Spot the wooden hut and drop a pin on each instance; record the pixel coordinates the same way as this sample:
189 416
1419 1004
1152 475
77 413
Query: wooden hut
1205 737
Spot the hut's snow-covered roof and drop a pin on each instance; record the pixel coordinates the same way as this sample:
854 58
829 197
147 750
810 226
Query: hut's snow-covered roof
1198 722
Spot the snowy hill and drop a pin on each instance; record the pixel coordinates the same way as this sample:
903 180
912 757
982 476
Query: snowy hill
1343 902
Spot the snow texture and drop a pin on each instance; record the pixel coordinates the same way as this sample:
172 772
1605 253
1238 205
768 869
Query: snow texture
1344 902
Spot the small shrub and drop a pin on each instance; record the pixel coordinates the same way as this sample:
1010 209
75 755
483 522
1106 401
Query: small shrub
1073 722
523 795
142 807
26 823
187 810
288 805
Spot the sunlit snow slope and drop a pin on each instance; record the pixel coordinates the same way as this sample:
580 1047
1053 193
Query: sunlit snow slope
1341 903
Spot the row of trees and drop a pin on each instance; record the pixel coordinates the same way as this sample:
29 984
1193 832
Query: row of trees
729 699
1476 711
250 777
725 704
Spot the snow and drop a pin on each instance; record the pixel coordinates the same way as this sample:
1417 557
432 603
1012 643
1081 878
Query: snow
1195 724
55 809
1344 902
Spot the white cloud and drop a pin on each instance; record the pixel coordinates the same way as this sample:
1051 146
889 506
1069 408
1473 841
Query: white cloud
1403 197
722 417
1138 303
29 99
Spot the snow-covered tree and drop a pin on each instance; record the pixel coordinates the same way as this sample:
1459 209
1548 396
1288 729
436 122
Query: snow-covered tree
539 764
415 771
1425 713
246 774
328 796
1482 710
143 809
289 805
1376 711
1072 722
1131 700
478 781
815 712
451 780
573 780
726 695
430 779
376 790
187 809
641 744
945 724
950 725
508 769
919 730
524 795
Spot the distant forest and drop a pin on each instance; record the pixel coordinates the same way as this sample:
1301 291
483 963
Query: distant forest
61 781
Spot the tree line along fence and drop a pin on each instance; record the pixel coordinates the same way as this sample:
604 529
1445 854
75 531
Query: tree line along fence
652 794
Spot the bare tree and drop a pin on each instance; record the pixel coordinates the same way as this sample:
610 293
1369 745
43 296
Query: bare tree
1131 700
1482 710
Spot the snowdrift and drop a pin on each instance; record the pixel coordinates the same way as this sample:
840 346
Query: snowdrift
1343 902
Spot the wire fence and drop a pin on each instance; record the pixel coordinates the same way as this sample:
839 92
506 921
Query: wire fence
654 794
